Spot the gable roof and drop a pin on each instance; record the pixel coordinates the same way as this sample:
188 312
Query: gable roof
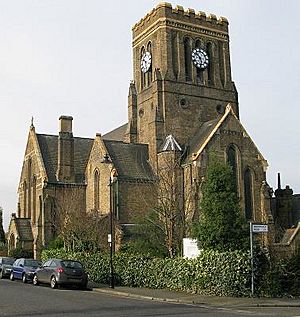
130 160
24 229
209 129
116 134
171 144
202 134
49 149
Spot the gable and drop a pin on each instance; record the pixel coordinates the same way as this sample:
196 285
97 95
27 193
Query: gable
33 152
130 160
49 150
227 130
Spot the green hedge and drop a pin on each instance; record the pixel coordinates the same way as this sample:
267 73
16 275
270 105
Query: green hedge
223 274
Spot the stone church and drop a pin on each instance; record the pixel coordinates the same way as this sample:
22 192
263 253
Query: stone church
182 105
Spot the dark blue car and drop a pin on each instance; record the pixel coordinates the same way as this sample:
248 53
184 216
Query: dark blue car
23 269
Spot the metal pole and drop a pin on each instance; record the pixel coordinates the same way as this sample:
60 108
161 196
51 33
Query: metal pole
252 264
112 279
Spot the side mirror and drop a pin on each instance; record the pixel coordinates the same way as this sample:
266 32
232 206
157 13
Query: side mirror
21 265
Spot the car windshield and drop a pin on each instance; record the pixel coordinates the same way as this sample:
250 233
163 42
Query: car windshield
9 261
71 264
32 263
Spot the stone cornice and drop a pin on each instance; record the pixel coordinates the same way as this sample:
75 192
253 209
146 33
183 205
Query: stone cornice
179 25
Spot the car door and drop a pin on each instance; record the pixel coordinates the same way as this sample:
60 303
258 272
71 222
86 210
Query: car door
44 272
19 269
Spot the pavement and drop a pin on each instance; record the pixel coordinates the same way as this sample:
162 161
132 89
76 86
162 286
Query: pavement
187 298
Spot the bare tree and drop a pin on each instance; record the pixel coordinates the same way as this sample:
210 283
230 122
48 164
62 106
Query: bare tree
166 222
79 230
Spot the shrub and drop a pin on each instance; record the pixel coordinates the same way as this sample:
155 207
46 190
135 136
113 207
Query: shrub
21 253
218 273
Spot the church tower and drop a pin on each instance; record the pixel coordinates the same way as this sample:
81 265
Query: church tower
182 75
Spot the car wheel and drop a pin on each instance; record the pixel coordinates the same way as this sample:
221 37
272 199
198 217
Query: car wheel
35 280
24 278
11 276
53 282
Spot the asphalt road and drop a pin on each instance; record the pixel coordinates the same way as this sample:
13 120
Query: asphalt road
18 299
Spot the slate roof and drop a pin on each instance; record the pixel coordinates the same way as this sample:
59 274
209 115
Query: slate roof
116 134
24 229
130 160
200 137
49 150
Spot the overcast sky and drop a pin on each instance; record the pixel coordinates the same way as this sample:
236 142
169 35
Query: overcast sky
73 57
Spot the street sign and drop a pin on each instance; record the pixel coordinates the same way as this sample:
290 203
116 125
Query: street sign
109 238
259 228
190 248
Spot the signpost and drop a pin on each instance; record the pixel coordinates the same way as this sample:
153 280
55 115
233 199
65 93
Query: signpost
255 228
259 228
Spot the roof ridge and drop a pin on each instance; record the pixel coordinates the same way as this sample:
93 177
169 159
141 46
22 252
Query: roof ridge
74 137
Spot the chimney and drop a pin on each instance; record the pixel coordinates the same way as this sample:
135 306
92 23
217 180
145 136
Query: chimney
65 165
278 181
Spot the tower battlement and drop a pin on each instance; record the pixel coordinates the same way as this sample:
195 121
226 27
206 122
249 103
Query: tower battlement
165 10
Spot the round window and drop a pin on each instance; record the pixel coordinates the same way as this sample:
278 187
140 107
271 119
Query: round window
183 103
141 113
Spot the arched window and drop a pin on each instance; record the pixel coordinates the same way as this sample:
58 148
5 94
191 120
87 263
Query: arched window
143 75
12 242
149 72
222 62
174 53
33 216
187 59
29 175
25 199
232 161
210 74
199 74
96 190
248 194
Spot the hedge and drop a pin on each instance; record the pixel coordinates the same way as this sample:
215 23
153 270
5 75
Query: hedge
213 273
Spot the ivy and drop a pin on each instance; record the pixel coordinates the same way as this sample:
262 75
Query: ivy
213 272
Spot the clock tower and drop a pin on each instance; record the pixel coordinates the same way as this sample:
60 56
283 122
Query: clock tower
182 76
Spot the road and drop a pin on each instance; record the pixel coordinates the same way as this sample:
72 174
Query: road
22 300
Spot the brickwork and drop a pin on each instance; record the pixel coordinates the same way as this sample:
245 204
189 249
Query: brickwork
198 107
95 164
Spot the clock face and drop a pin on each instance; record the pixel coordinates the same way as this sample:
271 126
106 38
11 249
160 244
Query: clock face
146 62
200 58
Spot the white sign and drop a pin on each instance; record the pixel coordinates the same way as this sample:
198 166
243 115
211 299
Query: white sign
109 238
190 248
259 228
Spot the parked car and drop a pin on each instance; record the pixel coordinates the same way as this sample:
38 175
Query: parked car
61 272
24 269
5 266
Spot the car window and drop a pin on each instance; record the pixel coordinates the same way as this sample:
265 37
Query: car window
32 263
71 264
8 261
47 263
21 261
53 264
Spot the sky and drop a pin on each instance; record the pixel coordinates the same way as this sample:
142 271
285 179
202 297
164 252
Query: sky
74 57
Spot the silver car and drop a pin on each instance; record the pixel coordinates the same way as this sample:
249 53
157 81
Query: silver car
58 272
6 266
